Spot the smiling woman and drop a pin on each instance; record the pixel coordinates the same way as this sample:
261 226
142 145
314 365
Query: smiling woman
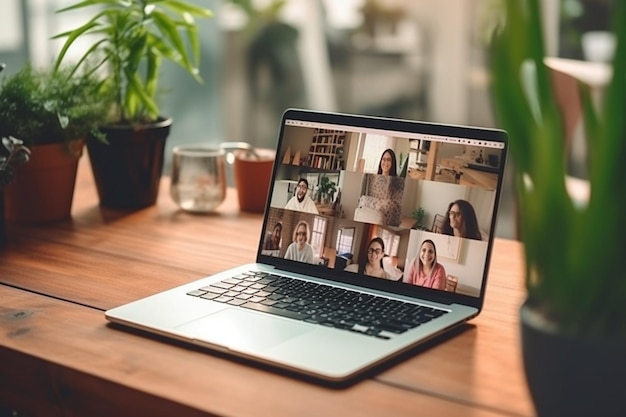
372 264
424 270
388 163
300 250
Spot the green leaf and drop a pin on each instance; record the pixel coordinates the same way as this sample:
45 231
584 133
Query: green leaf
153 65
170 34
182 8
71 38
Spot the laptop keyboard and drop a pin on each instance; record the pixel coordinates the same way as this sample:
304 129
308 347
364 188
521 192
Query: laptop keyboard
318 303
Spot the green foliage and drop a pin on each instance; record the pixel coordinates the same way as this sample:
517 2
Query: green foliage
42 106
133 37
573 251
12 153
327 187
418 214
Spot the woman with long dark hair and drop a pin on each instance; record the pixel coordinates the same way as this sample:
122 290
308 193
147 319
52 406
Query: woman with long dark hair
461 221
387 164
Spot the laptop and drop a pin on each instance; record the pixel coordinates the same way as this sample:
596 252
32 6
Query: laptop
386 237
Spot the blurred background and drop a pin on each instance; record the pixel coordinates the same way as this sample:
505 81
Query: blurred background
415 59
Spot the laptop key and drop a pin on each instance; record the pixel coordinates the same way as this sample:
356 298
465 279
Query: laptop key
209 296
392 328
252 278
258 286
233 281
275 311
244 296
404 324
214 289
222 284
275 297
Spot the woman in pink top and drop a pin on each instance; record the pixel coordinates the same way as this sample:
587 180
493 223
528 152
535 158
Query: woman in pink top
424 270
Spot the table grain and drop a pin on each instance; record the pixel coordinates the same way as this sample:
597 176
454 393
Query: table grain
59 356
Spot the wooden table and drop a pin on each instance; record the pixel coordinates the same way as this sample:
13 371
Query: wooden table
59 356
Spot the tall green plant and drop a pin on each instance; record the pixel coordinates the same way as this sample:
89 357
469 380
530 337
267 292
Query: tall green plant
133 37
574 269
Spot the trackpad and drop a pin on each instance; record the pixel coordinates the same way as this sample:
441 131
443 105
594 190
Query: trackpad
244 330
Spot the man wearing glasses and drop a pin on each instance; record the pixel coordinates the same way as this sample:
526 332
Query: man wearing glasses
300 201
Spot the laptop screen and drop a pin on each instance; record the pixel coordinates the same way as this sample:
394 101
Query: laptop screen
378 200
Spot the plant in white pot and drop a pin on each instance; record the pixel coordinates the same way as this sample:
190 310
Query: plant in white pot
52 112
129 41
574 319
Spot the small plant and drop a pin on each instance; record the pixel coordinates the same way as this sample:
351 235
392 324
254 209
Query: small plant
327 189
41 106
418 214
12 153
131 38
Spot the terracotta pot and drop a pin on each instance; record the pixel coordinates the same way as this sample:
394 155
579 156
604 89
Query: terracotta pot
43 189
127 170
571 376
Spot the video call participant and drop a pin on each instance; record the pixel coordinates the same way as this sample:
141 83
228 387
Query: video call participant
387 163
373 265
300 201
461 221
300 250
424 270
387 188
272 241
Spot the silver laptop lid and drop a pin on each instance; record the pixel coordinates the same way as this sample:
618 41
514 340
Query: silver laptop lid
403 206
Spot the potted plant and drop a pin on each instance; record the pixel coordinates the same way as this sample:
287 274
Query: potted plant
52 112
327 190
129 41
418 214
574 319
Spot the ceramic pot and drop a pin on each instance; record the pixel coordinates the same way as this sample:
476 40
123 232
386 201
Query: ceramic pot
43 189
127 170
569 375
